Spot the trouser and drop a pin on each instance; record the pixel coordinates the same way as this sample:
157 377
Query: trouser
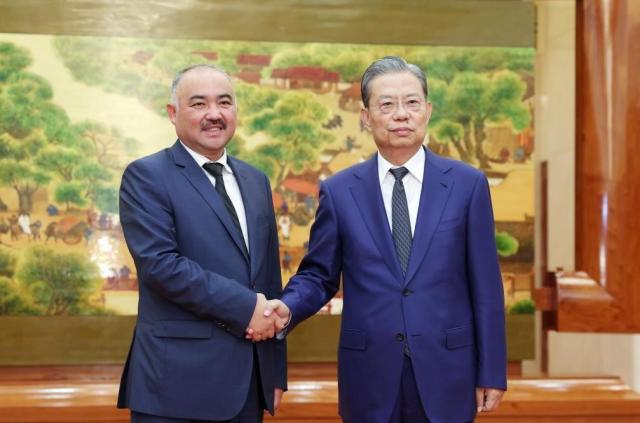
408 407
251 412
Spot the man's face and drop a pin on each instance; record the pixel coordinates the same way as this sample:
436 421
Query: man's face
205 115
398 113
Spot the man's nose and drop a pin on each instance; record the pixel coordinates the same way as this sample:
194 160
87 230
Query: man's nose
213 113
400 111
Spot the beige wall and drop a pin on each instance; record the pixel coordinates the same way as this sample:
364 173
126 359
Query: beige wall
569 353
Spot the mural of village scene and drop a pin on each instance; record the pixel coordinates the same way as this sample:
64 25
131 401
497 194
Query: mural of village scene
76 110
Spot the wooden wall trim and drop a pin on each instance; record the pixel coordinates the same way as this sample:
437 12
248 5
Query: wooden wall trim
607 172
419 22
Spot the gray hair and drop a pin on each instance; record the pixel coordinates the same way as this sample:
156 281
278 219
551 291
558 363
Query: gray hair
180 74
386 65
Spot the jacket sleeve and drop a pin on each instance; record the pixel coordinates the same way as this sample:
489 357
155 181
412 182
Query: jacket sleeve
318 277
147 219
483 272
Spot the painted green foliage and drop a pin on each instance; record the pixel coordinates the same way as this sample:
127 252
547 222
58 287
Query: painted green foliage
293 120
59 283
7 262
470 87
45 282
349 61
41 148
12 301
524 306
507 245
469 92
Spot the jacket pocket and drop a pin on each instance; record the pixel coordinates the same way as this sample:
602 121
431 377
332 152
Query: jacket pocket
449 224
182 329
458 337
353 339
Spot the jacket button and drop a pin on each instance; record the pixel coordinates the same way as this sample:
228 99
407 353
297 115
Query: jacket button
406 292
399 337
253 286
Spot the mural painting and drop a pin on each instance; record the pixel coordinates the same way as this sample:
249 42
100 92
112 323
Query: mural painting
76 110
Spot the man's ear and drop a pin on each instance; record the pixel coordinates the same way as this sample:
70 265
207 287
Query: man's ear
171 111
429 111
364 118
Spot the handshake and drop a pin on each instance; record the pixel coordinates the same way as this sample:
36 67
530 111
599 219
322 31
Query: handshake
269 318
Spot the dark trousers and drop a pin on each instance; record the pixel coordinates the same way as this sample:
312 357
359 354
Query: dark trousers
408 408
252 411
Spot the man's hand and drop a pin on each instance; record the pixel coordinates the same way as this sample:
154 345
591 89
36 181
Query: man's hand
281 310
277 398
488 399
261 326
277 312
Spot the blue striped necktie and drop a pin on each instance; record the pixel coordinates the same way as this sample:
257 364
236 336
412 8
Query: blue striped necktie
400 223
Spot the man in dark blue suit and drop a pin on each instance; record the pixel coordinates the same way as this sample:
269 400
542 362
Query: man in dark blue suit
201 229
411 235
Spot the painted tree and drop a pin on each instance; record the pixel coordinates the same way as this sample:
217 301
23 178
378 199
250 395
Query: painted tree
349 61
7 262
69 193
452 132
39 145
59 283
107 145
59 160
106 198
295 126
94 176
252 99
473 100
506 244
13 60
24 178
12 301
444 125
29 122
21 98
445 64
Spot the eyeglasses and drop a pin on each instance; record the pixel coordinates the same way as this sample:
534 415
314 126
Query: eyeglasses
411 105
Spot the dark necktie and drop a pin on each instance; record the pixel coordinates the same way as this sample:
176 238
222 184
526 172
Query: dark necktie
216 170
400 223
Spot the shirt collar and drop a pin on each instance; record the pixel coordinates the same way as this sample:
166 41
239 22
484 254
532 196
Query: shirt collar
202 160
415 165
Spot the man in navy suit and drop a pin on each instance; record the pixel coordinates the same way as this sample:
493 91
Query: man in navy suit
201 229
411 235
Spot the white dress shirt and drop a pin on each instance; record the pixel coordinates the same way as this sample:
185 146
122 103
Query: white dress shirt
230 185
412 182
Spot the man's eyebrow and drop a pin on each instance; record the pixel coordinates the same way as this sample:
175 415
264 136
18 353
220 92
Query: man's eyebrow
387 96
204 97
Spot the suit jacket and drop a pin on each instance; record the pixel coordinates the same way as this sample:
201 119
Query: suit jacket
449 308
189 358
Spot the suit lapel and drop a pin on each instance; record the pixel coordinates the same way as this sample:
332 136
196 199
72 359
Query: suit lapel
201 183
367 195
436 187
248 190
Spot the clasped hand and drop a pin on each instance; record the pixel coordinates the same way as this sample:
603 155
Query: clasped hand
269 318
